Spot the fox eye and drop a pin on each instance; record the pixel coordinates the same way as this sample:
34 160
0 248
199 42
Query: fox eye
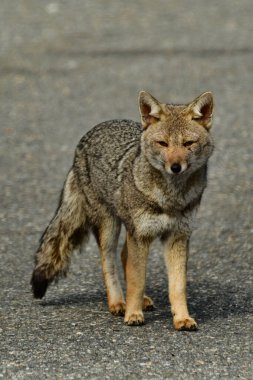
162 143
188 143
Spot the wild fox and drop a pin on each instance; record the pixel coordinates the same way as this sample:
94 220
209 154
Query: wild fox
148 176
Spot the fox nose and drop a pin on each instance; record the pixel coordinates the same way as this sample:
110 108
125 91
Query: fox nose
176 168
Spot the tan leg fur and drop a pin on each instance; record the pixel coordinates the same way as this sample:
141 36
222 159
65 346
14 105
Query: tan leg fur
176 253
135 276
148 304
107 240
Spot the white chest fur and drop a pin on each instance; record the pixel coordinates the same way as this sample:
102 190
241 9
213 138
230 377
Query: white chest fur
153 225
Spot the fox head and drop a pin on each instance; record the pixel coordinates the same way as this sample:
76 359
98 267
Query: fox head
176 138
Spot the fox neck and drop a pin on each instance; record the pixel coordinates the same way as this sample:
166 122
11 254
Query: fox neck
160 186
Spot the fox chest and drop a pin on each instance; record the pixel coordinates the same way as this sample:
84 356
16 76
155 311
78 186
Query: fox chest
152 225
177 212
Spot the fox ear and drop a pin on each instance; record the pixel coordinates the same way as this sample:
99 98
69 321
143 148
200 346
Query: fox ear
150 109
201 109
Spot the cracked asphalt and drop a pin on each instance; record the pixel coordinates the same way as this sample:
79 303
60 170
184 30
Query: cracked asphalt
64 67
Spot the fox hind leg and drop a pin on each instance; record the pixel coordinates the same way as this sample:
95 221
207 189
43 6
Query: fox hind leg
64 233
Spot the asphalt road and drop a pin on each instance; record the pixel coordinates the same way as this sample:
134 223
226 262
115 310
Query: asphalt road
64 67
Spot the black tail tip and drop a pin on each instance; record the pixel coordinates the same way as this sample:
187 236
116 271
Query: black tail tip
39 284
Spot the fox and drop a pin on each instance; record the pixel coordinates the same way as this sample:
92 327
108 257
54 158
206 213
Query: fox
148 176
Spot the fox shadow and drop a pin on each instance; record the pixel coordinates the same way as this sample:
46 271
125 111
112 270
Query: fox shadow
211 300
207 300
81 299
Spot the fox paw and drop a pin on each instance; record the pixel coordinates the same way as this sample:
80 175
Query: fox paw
185 324
118 308
134 319
148 304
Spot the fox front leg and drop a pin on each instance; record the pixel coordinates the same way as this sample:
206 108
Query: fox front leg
135 277
148 304
176 255
107 237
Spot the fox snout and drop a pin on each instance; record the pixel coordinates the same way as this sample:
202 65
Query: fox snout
175 161
177 167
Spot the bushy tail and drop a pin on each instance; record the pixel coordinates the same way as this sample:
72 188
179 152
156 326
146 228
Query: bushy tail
64 233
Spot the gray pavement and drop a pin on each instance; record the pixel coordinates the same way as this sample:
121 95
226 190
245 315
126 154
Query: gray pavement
64 67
